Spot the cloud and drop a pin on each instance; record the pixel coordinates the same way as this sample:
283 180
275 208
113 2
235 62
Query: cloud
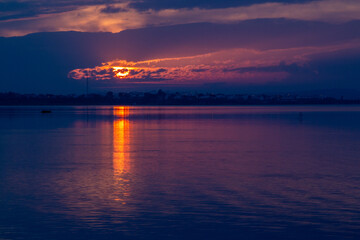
93 18
233 66
197 70
205 4
13 9
112 9
17 9
256 52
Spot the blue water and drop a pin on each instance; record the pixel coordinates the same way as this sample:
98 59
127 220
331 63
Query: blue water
180 172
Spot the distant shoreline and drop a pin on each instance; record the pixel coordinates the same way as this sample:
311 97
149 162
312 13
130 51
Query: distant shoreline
161 98
180 105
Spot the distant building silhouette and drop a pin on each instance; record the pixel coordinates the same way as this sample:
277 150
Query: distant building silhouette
161 97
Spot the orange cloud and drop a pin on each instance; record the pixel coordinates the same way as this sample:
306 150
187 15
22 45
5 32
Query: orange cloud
235 65
121 16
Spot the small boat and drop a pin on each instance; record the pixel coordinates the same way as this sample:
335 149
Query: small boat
45 111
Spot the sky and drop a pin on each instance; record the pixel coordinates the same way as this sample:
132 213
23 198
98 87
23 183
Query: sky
180 45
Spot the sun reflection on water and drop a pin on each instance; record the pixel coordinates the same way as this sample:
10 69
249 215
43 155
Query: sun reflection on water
121 152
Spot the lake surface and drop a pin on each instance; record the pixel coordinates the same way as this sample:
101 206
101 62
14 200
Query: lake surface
180 172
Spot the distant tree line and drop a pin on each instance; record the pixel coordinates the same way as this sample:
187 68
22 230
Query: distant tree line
162 98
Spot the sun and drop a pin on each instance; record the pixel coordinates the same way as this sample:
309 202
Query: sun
121 72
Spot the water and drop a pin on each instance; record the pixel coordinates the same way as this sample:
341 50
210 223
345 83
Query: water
180 172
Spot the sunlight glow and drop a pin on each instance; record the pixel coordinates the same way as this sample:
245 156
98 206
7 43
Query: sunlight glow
121 156
121 72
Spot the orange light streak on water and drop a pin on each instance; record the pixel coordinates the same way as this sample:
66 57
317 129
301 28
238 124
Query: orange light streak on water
121 152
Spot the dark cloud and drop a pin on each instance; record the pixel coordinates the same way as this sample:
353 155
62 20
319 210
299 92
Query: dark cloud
12 6
20 9
176 4
147 75
40 62
199 70
337 69
327 71
291 68
111 9
160 70
104 72
136 72
17 9
255 34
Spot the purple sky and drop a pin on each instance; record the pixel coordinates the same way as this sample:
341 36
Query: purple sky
223 46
